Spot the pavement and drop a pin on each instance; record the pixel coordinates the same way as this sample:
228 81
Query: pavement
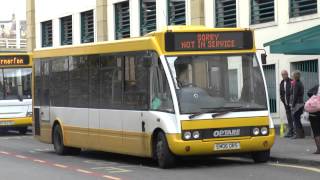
295 151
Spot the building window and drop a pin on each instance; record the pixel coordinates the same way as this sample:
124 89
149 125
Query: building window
148 17
302 7
226 13
87 27
270 75
66 30
122 20
176 12
46 29
262 11
309 74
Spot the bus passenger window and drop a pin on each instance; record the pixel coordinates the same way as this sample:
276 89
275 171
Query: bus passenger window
136 88
161 99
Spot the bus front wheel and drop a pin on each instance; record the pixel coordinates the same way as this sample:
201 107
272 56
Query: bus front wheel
261 156
164 156
58 144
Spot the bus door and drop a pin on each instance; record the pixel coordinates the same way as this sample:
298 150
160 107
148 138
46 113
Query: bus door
94 102
45 92
136 99
110 106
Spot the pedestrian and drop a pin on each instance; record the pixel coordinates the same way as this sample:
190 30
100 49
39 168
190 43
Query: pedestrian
297 104
315 119
285 87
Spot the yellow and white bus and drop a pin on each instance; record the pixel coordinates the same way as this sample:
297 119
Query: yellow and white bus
15 91
183 91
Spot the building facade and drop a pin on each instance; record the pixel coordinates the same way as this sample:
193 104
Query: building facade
13 34
83 21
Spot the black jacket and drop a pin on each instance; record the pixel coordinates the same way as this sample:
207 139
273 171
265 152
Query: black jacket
297 92
313 91
285 93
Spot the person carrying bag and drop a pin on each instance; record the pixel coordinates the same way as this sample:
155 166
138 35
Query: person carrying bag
313 107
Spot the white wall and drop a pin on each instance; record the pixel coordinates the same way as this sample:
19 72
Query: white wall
54 10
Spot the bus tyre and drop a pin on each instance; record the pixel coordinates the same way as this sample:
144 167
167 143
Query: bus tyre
58 143
163 154
261 156
23 130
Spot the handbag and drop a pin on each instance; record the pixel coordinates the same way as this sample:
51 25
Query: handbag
313 104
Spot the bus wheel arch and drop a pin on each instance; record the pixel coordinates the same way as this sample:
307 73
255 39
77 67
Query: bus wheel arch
58 141
161 151
154 142
56 123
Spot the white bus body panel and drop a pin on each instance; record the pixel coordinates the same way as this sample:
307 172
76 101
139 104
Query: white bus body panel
15 108
76 117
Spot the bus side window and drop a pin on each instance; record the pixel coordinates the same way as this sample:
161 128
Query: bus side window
161 99
136 88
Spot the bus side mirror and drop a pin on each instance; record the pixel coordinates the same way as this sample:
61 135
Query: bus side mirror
264 58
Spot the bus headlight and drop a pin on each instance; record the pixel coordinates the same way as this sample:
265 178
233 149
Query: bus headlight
264 131
187 135
29 114
195 134
256 131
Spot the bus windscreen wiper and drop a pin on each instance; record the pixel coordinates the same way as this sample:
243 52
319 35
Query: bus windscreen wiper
225 110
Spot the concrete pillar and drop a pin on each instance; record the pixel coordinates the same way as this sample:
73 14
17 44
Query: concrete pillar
196 10
31 30
101 20
18 33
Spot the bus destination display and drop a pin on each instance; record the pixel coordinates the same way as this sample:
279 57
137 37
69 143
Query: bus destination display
14 60
203 41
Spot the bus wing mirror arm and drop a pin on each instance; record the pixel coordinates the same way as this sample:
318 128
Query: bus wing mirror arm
264 58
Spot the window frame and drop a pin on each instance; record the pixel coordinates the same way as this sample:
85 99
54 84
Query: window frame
173 21
252 12
298 14
216 13
66 32
120 31
46 34
86 35
144 26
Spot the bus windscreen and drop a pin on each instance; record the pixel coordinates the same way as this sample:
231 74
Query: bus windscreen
204 41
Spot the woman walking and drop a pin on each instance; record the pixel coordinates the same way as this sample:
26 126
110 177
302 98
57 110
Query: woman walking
315 119
297 104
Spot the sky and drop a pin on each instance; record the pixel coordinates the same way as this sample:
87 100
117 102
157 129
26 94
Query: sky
8 7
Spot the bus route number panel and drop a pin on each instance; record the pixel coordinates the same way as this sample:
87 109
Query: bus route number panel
204 41
14 60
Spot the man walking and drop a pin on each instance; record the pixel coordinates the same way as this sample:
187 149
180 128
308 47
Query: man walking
285 87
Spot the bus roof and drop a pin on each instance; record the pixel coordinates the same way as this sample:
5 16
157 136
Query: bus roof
151 41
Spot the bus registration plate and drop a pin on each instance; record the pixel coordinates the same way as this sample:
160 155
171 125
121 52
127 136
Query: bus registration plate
226 146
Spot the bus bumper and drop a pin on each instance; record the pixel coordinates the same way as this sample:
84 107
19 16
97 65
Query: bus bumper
202 147
16 122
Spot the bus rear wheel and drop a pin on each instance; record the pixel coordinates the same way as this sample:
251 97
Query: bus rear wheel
261 156
163 154
58 144
23 130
